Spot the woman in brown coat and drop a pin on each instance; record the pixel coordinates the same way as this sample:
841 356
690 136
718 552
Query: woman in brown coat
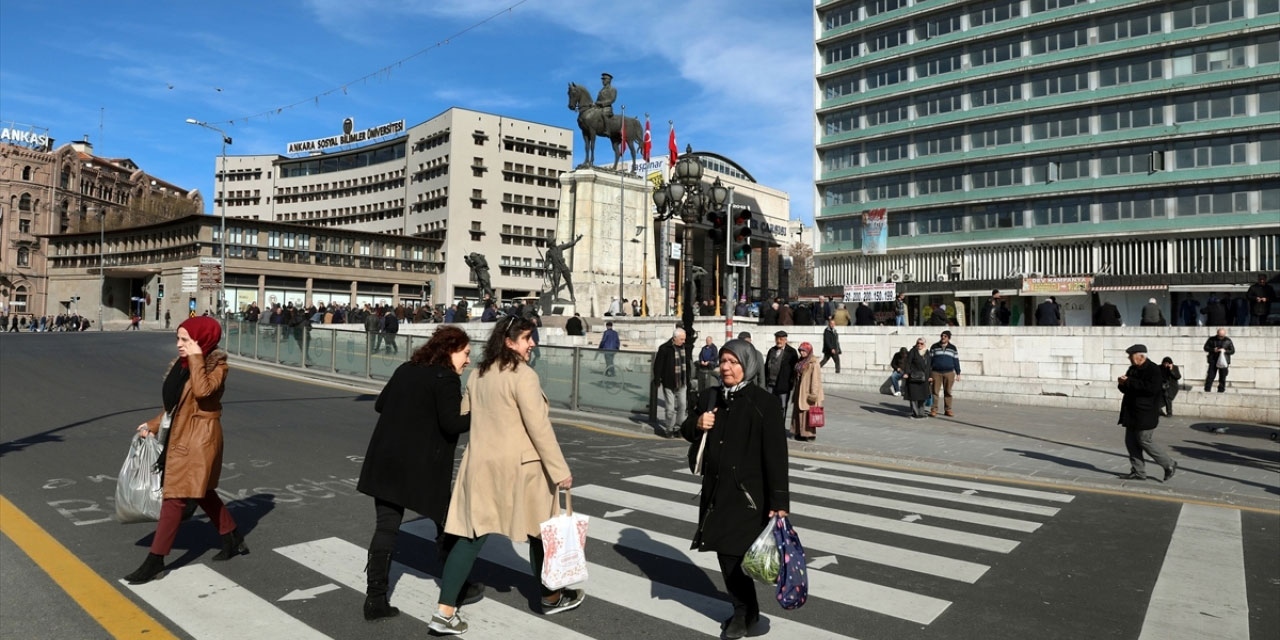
510 471
807 393
192 456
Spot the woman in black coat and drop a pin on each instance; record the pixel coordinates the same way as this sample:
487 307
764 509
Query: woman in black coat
1172 378
410 459
919 374
744 472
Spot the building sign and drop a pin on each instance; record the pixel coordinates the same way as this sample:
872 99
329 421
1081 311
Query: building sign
26 136
210 274
349 136
190 279
875 232
881 292
1050 286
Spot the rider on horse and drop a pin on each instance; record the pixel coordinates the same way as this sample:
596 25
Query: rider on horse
604 99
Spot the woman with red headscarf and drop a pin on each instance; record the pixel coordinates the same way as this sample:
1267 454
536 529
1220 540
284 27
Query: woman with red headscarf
192 457
806 393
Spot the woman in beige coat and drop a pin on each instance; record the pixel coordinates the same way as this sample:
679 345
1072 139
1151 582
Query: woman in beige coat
510 471
807 393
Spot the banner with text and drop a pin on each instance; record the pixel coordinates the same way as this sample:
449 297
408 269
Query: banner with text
875 232
881 292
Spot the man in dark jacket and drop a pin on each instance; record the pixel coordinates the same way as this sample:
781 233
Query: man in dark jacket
830 344
802 316
390 327
1215 314
1172 378
768 313
863 316
990 314
822 310
944 361
780 368
1047 314
1152 314
1107 315
671 372
574 326
1143 389
609 343
1260 296
1218 346
786 316
939 316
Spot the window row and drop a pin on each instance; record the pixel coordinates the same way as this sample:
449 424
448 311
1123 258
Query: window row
344 162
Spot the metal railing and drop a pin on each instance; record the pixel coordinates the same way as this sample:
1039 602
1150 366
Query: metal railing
574 378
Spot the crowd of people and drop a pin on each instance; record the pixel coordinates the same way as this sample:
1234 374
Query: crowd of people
62 322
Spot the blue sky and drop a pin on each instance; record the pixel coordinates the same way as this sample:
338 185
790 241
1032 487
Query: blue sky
734 75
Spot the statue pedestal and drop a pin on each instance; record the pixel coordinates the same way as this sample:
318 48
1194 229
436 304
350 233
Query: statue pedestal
591 201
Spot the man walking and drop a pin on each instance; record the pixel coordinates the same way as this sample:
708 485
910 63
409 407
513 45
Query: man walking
779 366
946 370
1260 295
1219 350
830 345
708 363
900 310
609 344
671 371
166 319
1143 388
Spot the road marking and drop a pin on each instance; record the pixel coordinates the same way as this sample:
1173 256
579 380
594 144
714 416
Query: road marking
118 615
693 611
913 508
925 531
1201 594
920 562
309 594
417 593
948 482
207 605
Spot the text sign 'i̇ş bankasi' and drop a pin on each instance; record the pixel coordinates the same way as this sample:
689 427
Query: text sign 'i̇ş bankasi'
349 136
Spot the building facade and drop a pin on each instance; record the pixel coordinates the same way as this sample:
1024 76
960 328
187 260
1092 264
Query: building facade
1133 145
154 269
473 182
46 191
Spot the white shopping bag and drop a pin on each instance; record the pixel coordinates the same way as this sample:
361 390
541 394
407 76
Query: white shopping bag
1222 360
138 490
564 542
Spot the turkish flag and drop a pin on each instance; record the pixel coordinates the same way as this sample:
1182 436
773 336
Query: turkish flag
648 140
671 145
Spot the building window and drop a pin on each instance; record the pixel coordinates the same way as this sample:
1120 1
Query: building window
995 11
999 174
1002 216
836 18
981 95
1199 13
887 150
995 134
1059 39
1269 148
838 86
993 52
1059 81
841 158
1131 70
886 75
24 225
1039 6
939 102
1196 201
1134 115
936 65
20 299
1067 167
1125 161
24 257
841 121
886 39
944 141
1060 125
1268 49
877 7
1210 152
1268 6
1056 212
1219 56
840 194
26 173
944 221
841 51
938 24
939 182
24 202
887 187
1210 106
1130 206
1129 25
886 112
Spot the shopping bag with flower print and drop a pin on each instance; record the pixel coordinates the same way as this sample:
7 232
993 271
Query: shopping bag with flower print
564 542
793 579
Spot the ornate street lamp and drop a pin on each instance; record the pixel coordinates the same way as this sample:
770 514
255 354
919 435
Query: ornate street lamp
687 197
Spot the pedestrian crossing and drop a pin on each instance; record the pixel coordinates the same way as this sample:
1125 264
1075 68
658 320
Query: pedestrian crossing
885 547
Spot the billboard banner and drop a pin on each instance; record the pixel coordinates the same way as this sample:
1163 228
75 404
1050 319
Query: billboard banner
880 292
875 232
1061 286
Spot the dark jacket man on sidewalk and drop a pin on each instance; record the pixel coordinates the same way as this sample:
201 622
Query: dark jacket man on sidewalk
1107 315
830 345
863 316
1260 296
945 363
1143 389
1218 350
1047 314
671 371
780 368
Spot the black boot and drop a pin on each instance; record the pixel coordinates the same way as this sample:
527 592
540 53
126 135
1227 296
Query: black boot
376 604
736 627
232 546
151 569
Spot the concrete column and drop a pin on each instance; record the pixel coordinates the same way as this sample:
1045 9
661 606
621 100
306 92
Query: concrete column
262 292
307 299
395 294
354 288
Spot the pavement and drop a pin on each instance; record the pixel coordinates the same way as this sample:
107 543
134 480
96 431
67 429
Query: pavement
896 548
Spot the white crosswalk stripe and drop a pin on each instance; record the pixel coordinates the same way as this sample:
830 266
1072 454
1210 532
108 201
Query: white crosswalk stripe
938 480
919 492
209 606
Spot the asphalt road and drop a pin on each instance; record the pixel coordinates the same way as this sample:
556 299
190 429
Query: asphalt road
894 553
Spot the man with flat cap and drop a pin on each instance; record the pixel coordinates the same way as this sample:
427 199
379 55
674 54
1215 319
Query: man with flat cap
779 369
1142 386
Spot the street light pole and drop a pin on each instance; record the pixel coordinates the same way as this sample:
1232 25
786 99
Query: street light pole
102 261
222 209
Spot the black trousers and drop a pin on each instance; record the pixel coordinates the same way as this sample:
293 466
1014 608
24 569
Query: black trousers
831 356
742 591
1221 375
387 519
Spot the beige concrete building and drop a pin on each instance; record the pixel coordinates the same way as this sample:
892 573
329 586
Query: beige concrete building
492 180
46 191
266 262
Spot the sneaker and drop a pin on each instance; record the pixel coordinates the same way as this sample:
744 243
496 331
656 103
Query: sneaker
452 626
1132 476
569 599
1168 473
897 393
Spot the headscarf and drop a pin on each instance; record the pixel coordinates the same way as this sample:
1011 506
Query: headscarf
804 360
748 356
205 331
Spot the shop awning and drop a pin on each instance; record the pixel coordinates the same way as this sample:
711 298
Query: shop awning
1132 287
1214 288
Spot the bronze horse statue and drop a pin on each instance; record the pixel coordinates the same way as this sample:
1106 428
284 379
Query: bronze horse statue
591 122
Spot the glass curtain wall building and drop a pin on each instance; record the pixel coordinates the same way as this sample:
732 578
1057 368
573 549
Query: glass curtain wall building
1010 139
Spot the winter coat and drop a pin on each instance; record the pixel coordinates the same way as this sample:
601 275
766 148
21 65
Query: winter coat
830 341
802 316
768 315
1211 346
193 456
1152 315
918 371
609 341
1107 315
1047 315
842 318
785 315
664 365
506 483
1258 290
409 461
1215 315
573 327
808 387
864 316
786 370
1171 376
744 469
1143 392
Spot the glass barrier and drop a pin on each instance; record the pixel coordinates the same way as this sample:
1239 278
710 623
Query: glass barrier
352 349
268 336
320 344
389 352
290 346
614 381
555 371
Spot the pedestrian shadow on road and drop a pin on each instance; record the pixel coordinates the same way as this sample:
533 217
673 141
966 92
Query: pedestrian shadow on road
1066 462
50 435
889 409
1236 429
202 537
1227 453
663 565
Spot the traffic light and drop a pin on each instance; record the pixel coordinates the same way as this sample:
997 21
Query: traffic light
160 294
719 223
738 248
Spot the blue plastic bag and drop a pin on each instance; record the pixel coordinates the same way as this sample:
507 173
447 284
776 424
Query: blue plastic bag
793 579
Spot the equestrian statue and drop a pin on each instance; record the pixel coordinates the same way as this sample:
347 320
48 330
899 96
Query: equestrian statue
596 118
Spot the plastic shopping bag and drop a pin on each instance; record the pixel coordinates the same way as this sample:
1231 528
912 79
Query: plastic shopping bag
763 561
564 542
1222 360
793 580
138 492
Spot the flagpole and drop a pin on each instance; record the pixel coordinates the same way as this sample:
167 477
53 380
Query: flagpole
622 209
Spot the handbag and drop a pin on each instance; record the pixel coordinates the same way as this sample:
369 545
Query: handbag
816 417
564 540
695 454
793 578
